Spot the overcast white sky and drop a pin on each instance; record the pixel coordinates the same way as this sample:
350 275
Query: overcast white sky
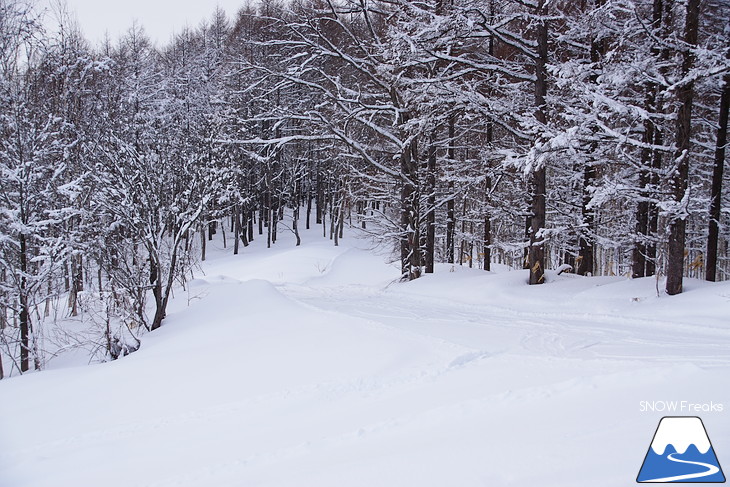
160 18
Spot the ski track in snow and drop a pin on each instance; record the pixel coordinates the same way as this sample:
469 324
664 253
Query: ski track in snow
333 375
711 470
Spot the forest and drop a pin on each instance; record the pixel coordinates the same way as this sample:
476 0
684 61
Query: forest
587 136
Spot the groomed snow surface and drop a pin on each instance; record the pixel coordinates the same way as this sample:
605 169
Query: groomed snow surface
311 366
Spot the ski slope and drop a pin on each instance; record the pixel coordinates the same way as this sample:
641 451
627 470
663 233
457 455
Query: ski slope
312 366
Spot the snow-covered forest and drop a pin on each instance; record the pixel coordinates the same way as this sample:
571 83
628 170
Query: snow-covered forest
534 134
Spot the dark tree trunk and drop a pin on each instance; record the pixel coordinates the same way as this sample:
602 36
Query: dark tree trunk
586 245
274 223
717 174
638 256
528 230
488 180
295 225
245 227
487 243
647 215
450 205
202 244
431 209
156 283
536 254
309 208
656 166
262 212
236 228
320 198
679 180
25 327
249 223
77 283
410 238
341 230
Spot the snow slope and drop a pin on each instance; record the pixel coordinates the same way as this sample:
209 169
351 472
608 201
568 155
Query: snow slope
311 366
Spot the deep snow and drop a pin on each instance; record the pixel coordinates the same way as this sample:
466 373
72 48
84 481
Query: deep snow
311 366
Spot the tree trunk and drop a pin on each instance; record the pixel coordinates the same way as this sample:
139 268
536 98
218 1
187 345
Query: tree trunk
536 254
250 216
236 228
586 245
309 209
25 326
77 282
156 283
450 205
320 199
295 225
717 175
410 238
638 256
202 244
679 180
431 209
647 215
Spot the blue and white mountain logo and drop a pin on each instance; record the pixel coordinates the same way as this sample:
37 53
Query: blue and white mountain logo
681 452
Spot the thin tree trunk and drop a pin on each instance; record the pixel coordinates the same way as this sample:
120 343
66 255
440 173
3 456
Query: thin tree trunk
450 205
251 215
638 255
431 209
202 244
236 228
320 198
309 208
274 223
295 225
212 229
25 326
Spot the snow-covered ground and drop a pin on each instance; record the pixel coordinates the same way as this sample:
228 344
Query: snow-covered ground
311 366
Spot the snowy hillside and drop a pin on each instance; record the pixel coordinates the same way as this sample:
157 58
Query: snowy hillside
311 366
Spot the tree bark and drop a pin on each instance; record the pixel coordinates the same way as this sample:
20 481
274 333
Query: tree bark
586 245
647 215
410 238
717 175
679 180
25 326
236 228
431 209
450 205
536 253
202 244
